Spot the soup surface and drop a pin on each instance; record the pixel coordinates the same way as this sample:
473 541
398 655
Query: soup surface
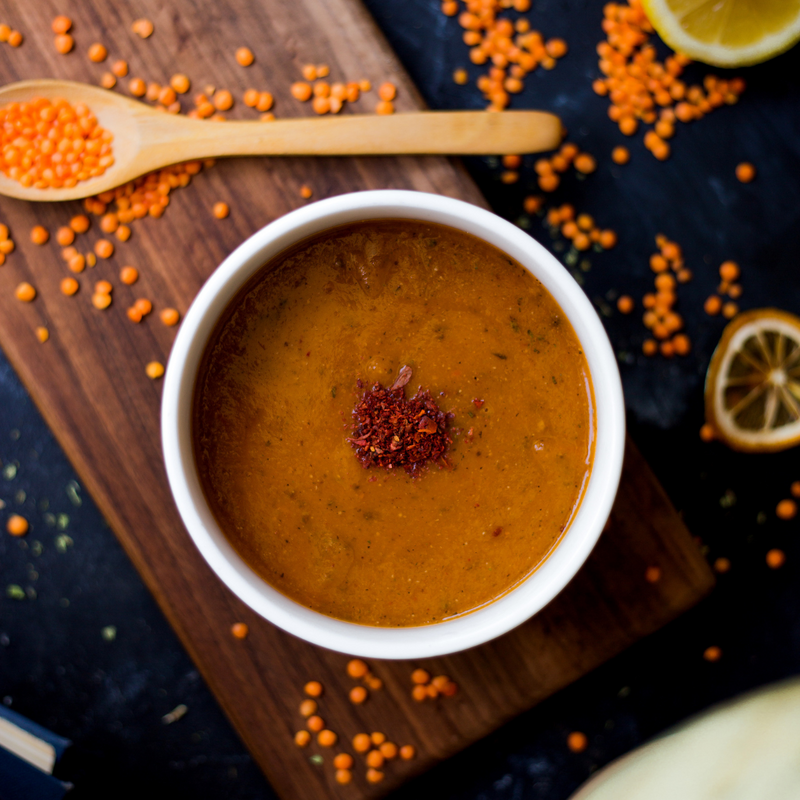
274 409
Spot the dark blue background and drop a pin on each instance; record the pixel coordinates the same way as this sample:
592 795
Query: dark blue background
108 696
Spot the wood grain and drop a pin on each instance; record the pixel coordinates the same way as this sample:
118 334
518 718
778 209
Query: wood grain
89 384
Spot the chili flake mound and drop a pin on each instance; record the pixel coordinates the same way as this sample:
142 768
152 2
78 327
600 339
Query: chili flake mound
52 144
391 431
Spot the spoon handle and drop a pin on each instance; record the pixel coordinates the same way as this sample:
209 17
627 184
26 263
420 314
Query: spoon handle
426 132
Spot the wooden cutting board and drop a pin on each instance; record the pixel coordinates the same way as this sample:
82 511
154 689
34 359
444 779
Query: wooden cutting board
89 384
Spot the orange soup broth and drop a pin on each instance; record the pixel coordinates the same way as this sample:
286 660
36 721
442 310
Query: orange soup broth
274 403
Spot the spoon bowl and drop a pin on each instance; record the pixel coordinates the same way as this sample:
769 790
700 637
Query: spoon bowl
146 139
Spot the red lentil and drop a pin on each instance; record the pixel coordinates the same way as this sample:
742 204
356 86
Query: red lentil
25 292
17 525
620 155
652 574
69 286
244 57
240 630
170 317
143 28
776 559
722 565
577 742
40 235
327 738
786 509
707 433
712 653
97 52
358 694
63 43
154 370
343 761
745 172
302 738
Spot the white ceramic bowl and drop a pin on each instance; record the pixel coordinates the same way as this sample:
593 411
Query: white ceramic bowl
429 640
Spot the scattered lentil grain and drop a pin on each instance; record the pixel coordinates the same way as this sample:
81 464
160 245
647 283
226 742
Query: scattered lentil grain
244 57
358 694
154 370
63 43
40 235
327 738
143 28
343 776
170 317
17 525
25 292
69 286
97 53
776 558
712 653
745 172
577 741
786 509
308 707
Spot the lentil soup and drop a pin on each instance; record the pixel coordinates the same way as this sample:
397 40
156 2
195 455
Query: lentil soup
277 441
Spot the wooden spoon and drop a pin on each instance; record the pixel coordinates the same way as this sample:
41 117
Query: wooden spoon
146 139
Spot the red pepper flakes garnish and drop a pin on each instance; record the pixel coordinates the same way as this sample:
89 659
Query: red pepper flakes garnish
391 431
477 402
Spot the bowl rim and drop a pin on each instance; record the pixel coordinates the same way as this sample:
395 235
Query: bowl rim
476 627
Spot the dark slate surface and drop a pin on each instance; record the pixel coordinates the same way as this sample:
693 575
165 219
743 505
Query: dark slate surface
88 653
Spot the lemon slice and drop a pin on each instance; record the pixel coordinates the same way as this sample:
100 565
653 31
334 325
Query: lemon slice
752 389
726 33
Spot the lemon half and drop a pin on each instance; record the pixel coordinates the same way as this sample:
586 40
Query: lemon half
726 33
752 389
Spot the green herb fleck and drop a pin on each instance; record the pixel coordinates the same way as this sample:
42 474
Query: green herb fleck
15 592
62 520
728 499
316 759
501 356
109 633
333 392
63 542
73 492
